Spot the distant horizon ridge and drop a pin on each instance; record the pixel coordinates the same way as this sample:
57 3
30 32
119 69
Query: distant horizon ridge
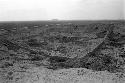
65 20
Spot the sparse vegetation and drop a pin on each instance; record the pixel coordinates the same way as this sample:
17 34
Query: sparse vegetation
65 47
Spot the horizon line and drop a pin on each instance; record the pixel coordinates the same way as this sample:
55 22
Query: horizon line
65 20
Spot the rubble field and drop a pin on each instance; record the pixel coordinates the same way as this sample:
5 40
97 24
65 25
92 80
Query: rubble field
63 53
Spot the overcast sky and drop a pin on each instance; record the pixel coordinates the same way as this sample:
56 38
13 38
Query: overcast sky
22 10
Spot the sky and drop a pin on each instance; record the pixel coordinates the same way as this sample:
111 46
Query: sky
26 10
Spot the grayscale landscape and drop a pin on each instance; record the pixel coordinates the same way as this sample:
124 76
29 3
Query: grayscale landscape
62 41
62 52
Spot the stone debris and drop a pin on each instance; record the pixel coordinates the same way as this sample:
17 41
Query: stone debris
60 53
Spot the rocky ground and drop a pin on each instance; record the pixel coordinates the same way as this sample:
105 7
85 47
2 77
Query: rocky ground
93 53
